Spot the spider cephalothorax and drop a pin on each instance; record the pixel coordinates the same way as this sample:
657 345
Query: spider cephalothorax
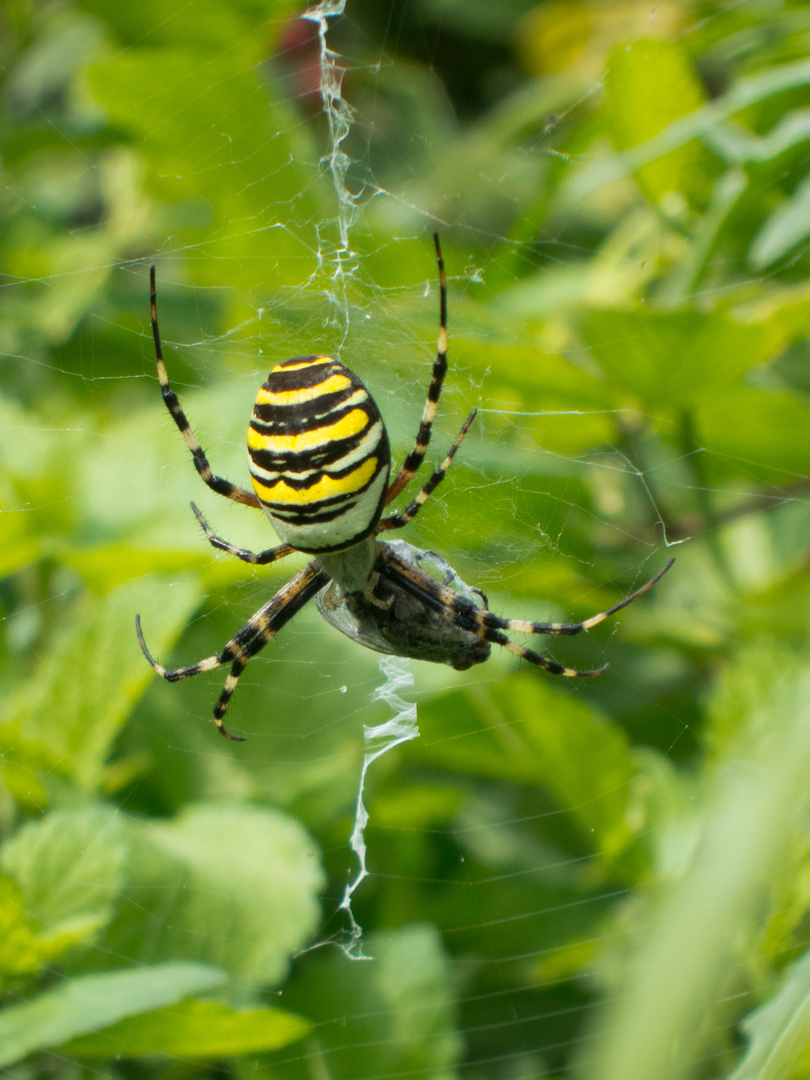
320 464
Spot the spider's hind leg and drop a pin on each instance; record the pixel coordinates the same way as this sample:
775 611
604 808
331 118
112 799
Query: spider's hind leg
172 403
412 462
396 521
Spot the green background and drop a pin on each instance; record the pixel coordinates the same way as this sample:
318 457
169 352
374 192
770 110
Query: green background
604 879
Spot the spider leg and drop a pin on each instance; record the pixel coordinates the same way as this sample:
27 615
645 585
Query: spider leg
249 640
262 559
396 521
417 455
464 614
522 626
469 616
551 666
216 483
209 664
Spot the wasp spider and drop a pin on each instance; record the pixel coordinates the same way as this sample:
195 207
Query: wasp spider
320 464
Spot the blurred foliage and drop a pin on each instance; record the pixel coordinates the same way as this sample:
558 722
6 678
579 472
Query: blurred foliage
608 878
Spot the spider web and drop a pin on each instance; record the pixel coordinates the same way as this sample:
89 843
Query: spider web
496 886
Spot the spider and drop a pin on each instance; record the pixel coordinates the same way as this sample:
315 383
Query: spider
320 464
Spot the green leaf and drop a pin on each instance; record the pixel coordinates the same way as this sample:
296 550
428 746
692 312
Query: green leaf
396 1011
786 227
764 433
658 1022
18 547
69 867
779 1031
743 692
192 1029
69 864
675 358
649 84
92 1002
19 951
738 145
233 886
94 672
250 176
743 93
212 26
530 733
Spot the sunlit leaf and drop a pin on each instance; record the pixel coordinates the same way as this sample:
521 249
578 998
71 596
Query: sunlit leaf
260 141
779 1031
673 359
650 84
192 1029
784 230
19 952
91 1002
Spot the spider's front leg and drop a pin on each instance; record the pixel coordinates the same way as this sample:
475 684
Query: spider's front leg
489 627
247 642
521 626
232 651
492 627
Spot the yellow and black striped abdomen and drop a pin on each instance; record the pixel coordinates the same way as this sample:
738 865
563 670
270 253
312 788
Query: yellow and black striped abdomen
319 455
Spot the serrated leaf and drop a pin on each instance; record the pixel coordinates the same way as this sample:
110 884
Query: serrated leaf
94 672
19 952
235 886
69 868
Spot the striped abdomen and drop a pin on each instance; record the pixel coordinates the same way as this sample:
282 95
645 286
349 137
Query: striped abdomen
319 455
